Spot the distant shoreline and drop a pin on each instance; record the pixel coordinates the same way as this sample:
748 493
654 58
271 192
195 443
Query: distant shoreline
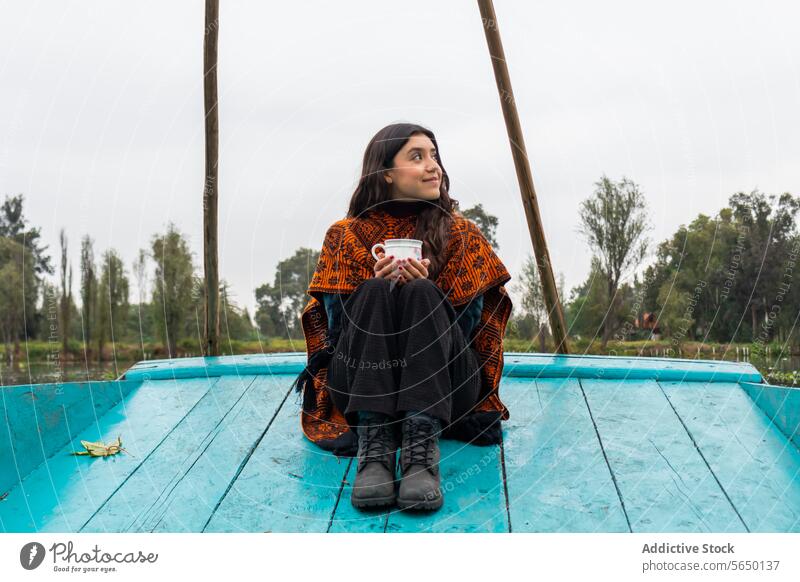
83 366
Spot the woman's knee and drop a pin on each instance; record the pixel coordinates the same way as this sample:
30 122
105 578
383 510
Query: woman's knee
421 286
415 289
374 284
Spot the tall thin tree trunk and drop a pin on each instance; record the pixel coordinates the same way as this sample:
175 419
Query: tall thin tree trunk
607 322
542 337
17 353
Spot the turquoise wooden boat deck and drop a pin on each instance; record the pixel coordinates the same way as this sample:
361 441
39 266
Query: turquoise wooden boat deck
593 444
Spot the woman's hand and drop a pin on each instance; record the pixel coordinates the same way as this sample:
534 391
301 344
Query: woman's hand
385 267
411 268
403 270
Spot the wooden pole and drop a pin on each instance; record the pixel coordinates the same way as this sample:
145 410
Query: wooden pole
524 176
210 188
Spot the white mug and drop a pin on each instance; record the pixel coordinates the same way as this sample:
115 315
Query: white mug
401 248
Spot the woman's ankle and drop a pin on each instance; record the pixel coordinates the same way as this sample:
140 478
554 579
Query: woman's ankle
368 415
419 414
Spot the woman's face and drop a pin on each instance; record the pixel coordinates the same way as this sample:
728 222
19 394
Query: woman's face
416 172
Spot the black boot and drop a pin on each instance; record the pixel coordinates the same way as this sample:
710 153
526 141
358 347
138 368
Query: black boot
419 464
375 475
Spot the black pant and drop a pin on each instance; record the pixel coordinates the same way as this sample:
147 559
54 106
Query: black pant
401 349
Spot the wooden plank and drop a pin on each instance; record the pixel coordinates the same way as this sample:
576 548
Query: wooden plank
288 484
557 476
664 482
63 493
145 492
204 479
755 463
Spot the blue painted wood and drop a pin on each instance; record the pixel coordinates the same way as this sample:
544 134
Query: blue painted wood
287 485
189 504
781 404
224 451
752 459
41 418
63 493
618 367
664 482
557 477
516 365
249 364
166 470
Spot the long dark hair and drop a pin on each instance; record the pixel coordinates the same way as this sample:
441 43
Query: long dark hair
433 222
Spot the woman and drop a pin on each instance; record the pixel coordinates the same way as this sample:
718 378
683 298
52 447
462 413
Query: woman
401 352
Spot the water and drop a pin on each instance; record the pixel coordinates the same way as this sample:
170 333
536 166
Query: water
770 359
46 373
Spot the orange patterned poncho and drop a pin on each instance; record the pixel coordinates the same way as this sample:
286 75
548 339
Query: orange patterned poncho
471 268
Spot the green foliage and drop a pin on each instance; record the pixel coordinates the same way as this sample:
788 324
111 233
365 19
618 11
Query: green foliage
586 309
112 308
719 279
235 323
614 222
89 291
173 285
14 226
485 221
791 378
281 303
531 320
17 291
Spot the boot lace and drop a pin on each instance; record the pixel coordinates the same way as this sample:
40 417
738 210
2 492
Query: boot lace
377 445
418 442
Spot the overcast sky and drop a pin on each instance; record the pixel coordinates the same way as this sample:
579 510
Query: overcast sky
101 114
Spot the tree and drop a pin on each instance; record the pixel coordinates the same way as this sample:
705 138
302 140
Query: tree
89 285
173 284
236 324
588 303
726 277
614 221
17 294
533 306
66 292
485 221
140 274
46 319
14 226
770 228
691 279
112 301
281 304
